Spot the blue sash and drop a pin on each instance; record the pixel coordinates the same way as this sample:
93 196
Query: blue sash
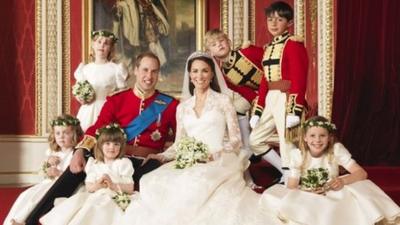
148 116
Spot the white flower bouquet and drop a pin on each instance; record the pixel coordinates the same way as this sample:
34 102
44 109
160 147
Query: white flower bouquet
43 170
314 180
189 151
83 91
122 199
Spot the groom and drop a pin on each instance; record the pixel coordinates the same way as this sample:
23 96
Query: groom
146 115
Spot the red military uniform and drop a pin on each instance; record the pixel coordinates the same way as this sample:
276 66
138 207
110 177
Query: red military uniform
122 108
281 92
285 59
243 71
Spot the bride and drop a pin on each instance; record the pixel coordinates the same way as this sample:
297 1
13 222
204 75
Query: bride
206 193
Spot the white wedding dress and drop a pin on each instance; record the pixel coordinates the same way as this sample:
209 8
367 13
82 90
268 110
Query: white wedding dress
208 193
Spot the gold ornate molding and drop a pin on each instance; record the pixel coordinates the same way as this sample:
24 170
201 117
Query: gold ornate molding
238 23
237 17
299 20
38 67
325 57
252 22
52 61
200 23
66 57
224 16
22 138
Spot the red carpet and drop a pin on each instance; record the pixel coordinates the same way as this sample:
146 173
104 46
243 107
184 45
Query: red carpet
7 197
386 178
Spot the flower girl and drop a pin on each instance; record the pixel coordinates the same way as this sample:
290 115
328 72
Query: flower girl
318 195
64 135
109 185
98 79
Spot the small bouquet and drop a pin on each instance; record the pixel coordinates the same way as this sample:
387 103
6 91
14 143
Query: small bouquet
122 199
83 91
314 180
43 170
189 152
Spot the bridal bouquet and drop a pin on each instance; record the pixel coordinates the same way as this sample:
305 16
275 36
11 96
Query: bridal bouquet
314 180
83 91
122 199
189 152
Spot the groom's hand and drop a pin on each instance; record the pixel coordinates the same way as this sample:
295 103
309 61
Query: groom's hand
78 161
158 157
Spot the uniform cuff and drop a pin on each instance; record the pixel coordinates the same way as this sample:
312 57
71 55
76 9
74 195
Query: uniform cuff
88 142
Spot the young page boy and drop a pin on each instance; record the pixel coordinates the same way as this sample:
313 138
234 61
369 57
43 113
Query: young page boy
281 95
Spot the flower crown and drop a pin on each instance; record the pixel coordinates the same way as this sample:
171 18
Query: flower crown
65 122
104 33
110 127
325 124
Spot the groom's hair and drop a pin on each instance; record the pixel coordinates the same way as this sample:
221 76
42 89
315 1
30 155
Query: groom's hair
214 82
139 58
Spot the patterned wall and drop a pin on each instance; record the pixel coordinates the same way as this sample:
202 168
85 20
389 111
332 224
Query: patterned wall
17 63
76 45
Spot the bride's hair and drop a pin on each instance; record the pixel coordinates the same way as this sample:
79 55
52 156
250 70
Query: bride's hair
214 83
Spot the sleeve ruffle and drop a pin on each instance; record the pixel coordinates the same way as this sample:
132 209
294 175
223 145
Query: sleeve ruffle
90 173
125 170
78 74
121 76
342 156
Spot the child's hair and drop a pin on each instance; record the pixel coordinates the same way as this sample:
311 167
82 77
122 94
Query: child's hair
318 121
107 34
282 8
213 35
65 120
110 133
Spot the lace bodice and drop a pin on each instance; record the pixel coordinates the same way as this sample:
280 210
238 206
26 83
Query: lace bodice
217 122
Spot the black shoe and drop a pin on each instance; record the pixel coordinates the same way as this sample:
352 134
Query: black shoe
275 181
255 158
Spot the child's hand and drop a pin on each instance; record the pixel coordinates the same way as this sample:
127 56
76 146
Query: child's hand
106 180
53 160
100 183
214 156
336 184
53 172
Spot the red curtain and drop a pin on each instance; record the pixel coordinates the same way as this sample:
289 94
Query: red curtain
366 103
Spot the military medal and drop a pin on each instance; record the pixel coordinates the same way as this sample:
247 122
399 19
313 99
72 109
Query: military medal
156 135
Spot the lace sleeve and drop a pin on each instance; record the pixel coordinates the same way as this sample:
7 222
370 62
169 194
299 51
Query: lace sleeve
342 155
235 140
169 154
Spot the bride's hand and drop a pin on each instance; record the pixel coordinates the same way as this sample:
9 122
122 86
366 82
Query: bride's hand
214 156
